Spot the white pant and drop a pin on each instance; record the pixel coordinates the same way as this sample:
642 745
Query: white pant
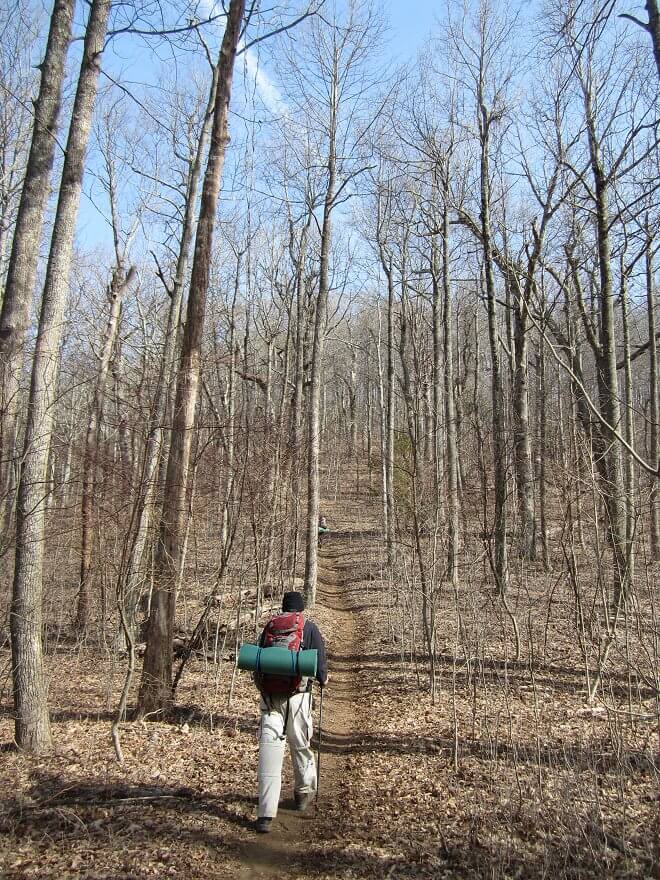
271 749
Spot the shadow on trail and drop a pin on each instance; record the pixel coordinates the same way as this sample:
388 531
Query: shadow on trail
67 809
349 536
510 673
597 757
118 816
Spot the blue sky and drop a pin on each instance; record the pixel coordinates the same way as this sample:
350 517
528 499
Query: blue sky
410 24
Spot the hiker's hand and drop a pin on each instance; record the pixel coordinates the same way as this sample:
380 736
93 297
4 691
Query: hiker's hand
325 683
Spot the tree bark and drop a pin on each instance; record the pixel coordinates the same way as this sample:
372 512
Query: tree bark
314 434
652 26
521 441
300 263
156 683
610 464
22 270
654 415
497 386
629 469
32 725
143 511
542 452
116 291
450 409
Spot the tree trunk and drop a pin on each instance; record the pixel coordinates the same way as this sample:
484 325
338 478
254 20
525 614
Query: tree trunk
22 270
300 263
416 441
542 451
450 409
437 373
32 726
521 442
497 386
629 470
382 425
131 584
314 434
156 684
610 459
116 291
226 533
389 444
653 28
654 415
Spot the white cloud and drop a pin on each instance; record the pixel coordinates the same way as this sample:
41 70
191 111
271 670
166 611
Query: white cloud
254 73
263 84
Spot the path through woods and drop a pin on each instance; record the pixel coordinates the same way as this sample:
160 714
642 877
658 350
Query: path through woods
499 778
297 845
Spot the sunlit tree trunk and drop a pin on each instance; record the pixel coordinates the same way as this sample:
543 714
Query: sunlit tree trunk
156 684
297 407
654 410
450 408
32 724
314 435
497 385
629 468
521 438
606 365
116 291
22 270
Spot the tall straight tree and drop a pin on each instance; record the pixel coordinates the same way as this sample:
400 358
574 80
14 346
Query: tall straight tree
605 81
479 48
32 723
156 683
22 270
314 435
130 580
654 409
332 74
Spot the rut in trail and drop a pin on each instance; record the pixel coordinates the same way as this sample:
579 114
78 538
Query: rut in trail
294 849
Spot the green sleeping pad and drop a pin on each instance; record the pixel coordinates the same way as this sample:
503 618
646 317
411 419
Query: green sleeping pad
277 661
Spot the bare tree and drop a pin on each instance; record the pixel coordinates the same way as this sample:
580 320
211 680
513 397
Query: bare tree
479 59
32 724
654 409
22 270
156 683
331 62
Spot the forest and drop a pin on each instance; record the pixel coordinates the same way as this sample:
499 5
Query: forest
263 263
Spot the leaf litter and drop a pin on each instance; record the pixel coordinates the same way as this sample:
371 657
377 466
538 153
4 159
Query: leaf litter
503 776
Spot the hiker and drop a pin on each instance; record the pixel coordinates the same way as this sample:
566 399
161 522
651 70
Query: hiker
323 528
288 714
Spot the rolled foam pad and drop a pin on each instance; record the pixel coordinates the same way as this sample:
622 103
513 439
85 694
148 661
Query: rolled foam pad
277 661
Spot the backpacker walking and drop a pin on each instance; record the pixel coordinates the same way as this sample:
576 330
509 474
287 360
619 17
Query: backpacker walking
322 529
286 712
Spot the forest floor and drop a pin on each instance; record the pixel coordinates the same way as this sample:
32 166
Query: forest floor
506 775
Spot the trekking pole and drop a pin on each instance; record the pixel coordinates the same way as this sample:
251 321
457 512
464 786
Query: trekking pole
318 750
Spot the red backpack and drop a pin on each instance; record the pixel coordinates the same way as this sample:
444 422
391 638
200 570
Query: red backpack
282 631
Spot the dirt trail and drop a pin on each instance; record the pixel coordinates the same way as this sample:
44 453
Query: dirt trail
282 853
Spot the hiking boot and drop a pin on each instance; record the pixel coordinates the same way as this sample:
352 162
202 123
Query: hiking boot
264 825
303 800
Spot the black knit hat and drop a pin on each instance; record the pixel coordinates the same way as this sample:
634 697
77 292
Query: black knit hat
293 602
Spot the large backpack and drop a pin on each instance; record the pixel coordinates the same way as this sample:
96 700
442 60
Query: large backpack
282 631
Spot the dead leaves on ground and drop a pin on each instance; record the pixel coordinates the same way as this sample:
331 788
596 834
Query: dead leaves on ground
503 777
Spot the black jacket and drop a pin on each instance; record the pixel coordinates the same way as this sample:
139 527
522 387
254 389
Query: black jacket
312 639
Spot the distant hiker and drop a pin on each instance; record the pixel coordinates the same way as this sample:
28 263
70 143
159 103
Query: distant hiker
286 712
323 528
